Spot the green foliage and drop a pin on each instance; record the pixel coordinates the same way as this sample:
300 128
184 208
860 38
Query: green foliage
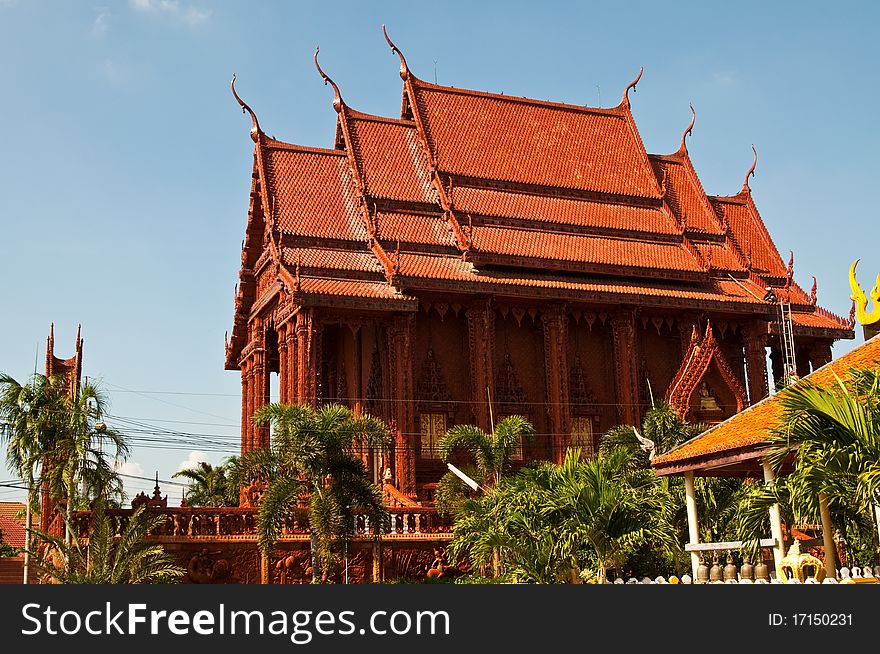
552 521
6 549
213 486
111 556
311 460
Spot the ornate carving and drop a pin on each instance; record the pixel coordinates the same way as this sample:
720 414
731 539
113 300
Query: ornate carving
431 387
157 501
509 393
481 347
583 400
754 344
555 323
701 354
374 385
205 568
623 331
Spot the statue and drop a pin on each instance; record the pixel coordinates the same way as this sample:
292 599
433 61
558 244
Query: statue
707 400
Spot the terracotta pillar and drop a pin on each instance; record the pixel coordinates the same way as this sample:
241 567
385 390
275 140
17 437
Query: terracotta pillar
777 365
260 382
754 342
820 354
555 323
481 345
623 330
282 364
290 369
305 365
249 409
245 415
400 343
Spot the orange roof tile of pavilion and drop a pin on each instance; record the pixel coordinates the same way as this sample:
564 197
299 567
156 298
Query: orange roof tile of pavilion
492 191
741 436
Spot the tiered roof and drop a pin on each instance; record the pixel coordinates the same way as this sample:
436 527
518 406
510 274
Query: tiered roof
473 192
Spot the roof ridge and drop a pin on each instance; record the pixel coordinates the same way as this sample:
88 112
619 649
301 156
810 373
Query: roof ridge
616 111
275 144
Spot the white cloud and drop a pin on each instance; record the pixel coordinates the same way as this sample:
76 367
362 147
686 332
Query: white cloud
173 9
192 461
130 468
101 23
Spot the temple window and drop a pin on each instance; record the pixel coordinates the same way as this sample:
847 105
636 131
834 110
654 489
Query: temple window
432 429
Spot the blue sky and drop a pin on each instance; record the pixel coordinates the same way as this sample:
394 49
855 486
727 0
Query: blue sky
125 162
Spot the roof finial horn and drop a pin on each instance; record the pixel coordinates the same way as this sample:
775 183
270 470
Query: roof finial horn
404 68
337 101
689 129
632 85
255 124
751 172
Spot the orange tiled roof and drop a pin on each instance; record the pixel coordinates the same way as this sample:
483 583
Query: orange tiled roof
331 259
312 192
719 257
566 211
417 267
752 426
816 320
425 229
11 509
500 137
389 159
749 232
632 254
685 194
13 531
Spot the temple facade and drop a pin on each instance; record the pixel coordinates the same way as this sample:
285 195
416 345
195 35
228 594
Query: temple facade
484 255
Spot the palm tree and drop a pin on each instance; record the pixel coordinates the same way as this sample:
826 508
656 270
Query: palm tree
491 454
552 521
832 434
62 436
212 486
108 558
31 413
312 459
662 425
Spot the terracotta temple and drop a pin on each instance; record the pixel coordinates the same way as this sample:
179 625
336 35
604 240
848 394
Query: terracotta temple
482 255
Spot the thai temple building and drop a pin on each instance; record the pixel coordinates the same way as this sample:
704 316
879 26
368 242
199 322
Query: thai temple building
482 255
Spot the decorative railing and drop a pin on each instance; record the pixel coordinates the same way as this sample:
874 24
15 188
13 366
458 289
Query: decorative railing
241 523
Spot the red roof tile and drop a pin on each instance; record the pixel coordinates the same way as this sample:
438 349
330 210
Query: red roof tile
543 208
389 158
753 425
816 320
11 509
414 267
424 229
349 288
313 192
629 253
13 531
331 259
685 194
501 137
750 233
719 257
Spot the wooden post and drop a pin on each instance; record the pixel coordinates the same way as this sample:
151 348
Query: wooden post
693 519
623 330
756 363
775 520
481 346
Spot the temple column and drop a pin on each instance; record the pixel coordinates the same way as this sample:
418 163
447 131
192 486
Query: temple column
754 342
400 343
777 365
623 330
282 364
820 354
481 346
245 415
555 322
305 359
249 411
289 381
260 384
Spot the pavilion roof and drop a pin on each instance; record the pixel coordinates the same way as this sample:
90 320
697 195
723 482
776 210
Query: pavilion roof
746 431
